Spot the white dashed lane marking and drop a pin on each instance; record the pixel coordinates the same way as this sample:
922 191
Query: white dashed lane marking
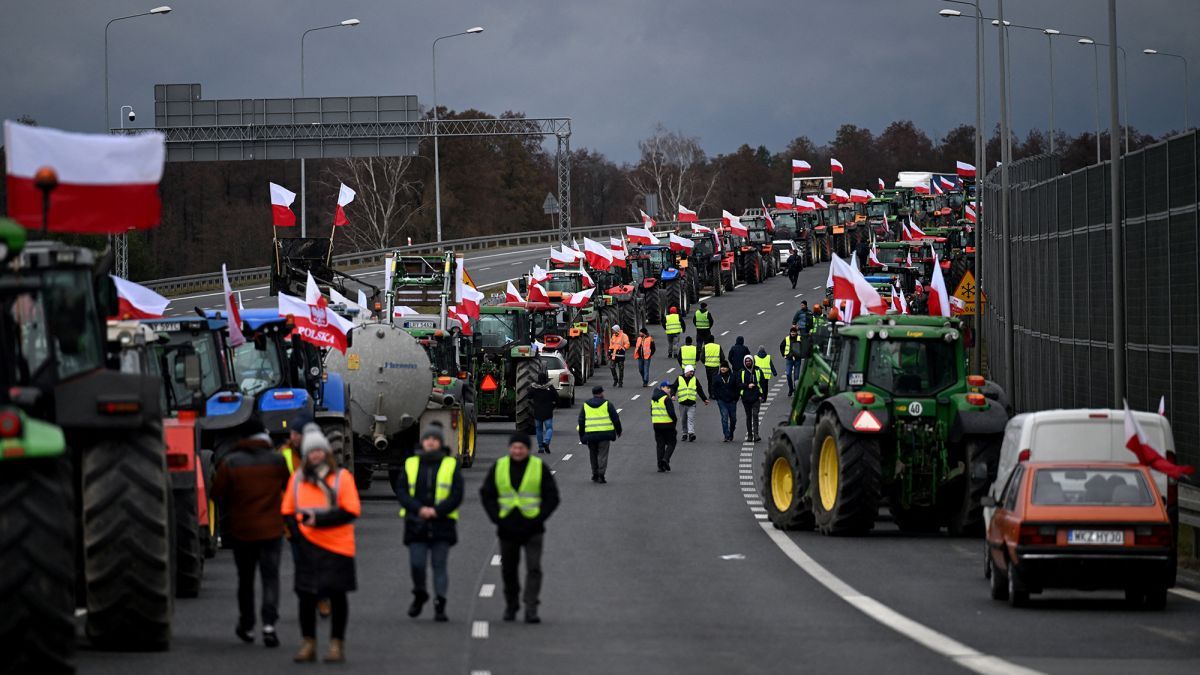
779 304
742 323
760 313
635 397
567 456
496 560
725 333
799 294
479 630
487 590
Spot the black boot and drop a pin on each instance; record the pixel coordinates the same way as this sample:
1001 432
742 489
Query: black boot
439 609
531 615
510 613
418 603
547 449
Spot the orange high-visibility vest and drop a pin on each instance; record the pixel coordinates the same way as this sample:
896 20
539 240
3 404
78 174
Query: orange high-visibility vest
302 494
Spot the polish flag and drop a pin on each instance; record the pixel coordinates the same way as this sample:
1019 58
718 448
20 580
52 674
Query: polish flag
839 196
281 206
849 284
232 311
618 258
574 250
106 184
785 203
315 323
906 235
734 223
563 257
579 299
965 170
908 258
804 206
1135 440
616 244
921 189
881 184
466 296
135 301
642 235
463 320
538 274
969 211
537 293
401 311
511 294
835 166
687 215
767 217
818 202
700 229
860 196
873 257
680 244
345 196
947 183
648 222
939 298
588 281
598 255
800 166
936 187
899 303
912 228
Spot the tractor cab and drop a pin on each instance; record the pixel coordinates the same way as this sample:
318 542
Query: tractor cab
277 369
881 213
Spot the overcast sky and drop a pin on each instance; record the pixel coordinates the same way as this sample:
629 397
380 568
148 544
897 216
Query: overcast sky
750 71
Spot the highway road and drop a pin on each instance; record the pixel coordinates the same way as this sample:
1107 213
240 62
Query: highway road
681 572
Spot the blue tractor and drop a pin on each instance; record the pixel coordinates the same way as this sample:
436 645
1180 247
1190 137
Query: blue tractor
661 279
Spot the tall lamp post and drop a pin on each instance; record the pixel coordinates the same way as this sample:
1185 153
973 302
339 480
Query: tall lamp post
1186 86
437 170
1125 93
1096 58
348 23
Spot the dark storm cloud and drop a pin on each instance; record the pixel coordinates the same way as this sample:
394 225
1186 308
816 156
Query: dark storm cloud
753 71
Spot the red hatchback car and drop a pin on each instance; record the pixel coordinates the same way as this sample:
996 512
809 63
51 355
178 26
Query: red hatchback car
1079 525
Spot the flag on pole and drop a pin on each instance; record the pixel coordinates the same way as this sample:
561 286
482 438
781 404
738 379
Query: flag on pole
839 196
700 229
849 284
939 297
345 196
466 296
281 206
835 166
680 244
914 230
642 235
873 256
563 257
588 281
784 203
579 299
648 222
800 166
767 217
966 170
463 320
314 323
860 196
1136 442
232 311
734 223
969 212
135 301
616 244
687 215
804 206
511 294
1162 406
598 255
538 274
881 184
818 202
618 258
106 184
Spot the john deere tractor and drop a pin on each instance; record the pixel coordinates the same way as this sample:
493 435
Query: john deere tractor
85 497
886 412
507 364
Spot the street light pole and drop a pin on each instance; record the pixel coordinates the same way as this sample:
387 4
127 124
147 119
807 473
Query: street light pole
164 9
437 169
1096 61
1186 86
1116 236
1006 257
1050 33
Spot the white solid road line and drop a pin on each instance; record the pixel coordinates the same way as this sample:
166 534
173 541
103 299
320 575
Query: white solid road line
487 590
479 630
1185 593
952 649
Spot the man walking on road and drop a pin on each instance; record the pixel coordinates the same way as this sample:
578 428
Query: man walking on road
725 390
249 486
544 399
689 354
618 345
713 357
599 425
793 268
703 320
430 490
794 349
662 416
673 326
644 349
751 387
737 355
763 362
802 319
686 390
519 494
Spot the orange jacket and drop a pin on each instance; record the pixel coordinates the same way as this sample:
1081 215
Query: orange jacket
618 341
302 494
644 344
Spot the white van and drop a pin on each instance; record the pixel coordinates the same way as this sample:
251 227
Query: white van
1095 434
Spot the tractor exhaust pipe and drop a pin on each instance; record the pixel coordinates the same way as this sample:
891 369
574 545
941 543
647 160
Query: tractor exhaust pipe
379 441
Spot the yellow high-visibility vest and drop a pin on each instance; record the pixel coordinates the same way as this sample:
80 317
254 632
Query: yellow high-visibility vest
526 499
703 320
687 355
445 480
597 418
673 324
658 411
764 364
712 355
686 391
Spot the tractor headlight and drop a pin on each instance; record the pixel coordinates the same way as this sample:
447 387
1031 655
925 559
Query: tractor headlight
883 335
870 335
950 336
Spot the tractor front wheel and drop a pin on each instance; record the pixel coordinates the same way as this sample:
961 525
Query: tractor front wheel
846 478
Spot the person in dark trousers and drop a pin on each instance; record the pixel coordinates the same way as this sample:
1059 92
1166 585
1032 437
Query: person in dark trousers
662 416
725 391
751 386
737 355
519 495
703 320
430 489
544 399
249 486
644 350
688 391
599 425
618 346
713 356
802 319
794 349
319 508
793 268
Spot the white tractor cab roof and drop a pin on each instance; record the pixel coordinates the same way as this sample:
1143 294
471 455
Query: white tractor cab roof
1081 434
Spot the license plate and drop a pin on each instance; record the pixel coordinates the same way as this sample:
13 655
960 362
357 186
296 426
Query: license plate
1096 537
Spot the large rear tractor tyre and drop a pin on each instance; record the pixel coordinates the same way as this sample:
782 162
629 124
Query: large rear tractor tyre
37 556
527 372
627 318
718 282
650 305
575 356
127 543
189 550
965 513
337 433
693 287
846 478
783 489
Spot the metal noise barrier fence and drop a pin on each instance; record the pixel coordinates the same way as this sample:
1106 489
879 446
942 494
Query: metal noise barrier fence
1061 284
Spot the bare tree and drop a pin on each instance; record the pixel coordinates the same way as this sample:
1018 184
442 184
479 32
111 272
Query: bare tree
388 197
674 167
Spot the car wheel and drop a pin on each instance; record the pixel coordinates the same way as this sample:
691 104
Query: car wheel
1017 595
998 582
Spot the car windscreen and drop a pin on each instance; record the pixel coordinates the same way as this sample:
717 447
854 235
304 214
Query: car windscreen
912 367
1084 486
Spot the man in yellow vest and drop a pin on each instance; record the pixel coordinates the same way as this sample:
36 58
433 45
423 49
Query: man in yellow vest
713 356
688 391
599 425
662 416
673 326
689 353
519 494
703 320
430 490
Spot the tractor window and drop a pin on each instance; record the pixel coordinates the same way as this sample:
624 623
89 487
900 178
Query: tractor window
496 330
637 271
568 283
758 236
28 316
849 347
210 367
785 219
912 367
72 311
892 256
257 370
877 210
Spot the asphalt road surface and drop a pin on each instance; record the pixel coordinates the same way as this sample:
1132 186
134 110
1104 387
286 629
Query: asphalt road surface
681 573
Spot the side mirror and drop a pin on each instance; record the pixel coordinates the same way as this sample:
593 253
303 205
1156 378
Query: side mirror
191 371
988 501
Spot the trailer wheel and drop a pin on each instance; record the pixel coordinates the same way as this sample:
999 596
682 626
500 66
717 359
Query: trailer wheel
527 372
783 489
846 478
127 547
37 554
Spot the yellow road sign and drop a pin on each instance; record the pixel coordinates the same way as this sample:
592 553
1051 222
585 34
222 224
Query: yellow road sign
965 296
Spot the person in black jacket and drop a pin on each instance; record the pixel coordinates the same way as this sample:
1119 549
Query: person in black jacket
544 399
725 391
664 424
430 509
793 268
519 528
752 387
599 425
737 355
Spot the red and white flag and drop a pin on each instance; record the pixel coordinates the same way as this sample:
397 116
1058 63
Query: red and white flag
906 235
345 196
616 244
281 206
1136 442
922 189
466 296
899 303
588 281
734 223
965 170
511 294
648 222
538 274
849 284
687 215
574 250
537 293
860 196
873 257
700 229
315 323
767 218
784 203
135 301
839 196
680 244
401 311
642 235
563 257
939 297
818 202
908 258
1162 406
598 255
914 230
969 212
936 187
579 299
232 311
800 166
882 185
618 258
106 184
835 166
463 320
804 206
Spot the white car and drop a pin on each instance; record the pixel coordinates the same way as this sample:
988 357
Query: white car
785 248
560 376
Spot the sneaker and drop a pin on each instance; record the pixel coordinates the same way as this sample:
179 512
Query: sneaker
245 634
683 437
531 616
270 637
691 438
602 480
547 450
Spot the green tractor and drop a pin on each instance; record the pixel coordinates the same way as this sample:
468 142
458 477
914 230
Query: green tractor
507 365
85 495
886 412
